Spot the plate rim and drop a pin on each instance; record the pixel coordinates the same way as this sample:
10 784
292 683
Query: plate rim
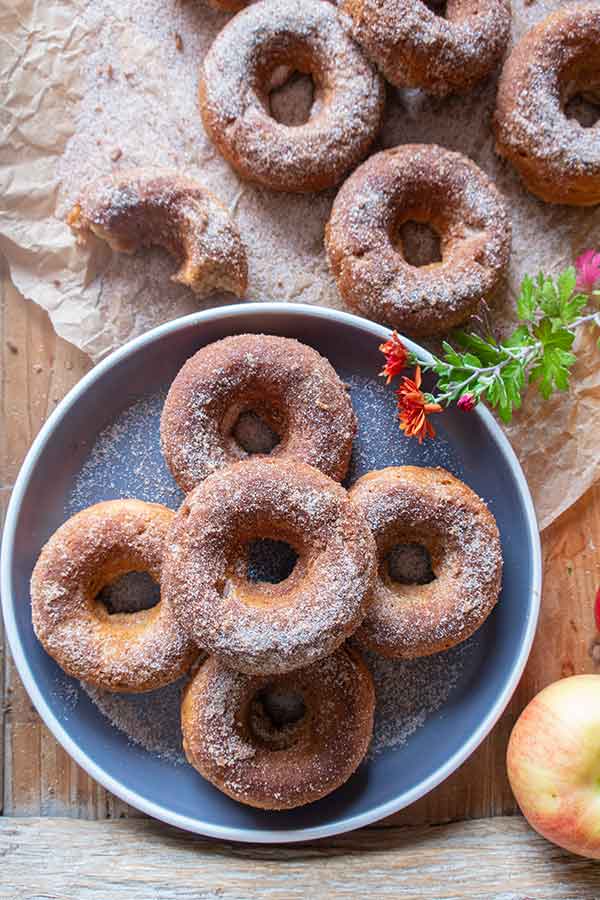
133 798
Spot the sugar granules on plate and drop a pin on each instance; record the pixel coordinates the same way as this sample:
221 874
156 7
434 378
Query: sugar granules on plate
126 461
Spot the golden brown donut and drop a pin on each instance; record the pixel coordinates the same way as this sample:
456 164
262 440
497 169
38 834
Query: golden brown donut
428 507
287 384
255 626
142 207
422 183
133 651
557 158
442 54
243 734
306 36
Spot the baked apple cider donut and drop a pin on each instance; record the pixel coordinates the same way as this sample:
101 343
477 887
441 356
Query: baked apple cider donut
238 74
257 626
416 47
554 63
279 742
126 651
279 382
145 207
440 560
426 184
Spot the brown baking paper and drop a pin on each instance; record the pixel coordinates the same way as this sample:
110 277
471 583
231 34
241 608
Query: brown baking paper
96 87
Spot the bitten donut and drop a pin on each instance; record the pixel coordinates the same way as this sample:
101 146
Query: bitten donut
422 183
305 36
277 743
442 54
557 158
255 626
289 386
414 508
143 207
132 651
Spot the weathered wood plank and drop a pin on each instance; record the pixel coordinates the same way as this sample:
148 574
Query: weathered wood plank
496 859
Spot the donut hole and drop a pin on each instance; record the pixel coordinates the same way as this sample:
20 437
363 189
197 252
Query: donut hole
418 242
269 561
584 108
291 96
277 717
132 592
438 7
254 434
409 563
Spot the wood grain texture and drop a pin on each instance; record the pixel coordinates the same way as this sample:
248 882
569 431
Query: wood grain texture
42 780
144 860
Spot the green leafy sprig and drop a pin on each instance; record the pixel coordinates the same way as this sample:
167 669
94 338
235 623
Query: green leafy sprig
538 351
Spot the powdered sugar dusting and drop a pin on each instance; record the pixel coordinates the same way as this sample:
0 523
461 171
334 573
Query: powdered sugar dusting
150 720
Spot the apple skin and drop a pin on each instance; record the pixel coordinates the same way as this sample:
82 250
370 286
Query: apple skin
553 762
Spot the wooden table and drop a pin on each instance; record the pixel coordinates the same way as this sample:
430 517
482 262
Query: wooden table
500 858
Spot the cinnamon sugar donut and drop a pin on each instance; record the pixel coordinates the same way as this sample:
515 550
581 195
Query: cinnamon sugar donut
292 389
412 507
255 626
237 76
422 183
143 207
414 47
557 158
277 743
132 651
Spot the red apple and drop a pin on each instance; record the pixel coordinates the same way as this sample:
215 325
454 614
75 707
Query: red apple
553 764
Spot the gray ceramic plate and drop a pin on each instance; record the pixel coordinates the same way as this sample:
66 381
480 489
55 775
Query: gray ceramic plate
471 445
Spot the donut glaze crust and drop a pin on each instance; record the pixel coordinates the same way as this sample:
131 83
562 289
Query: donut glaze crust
289 385
237 76
430 507
557 158
137 651
279 768
258 627
423 183
414 47
145 207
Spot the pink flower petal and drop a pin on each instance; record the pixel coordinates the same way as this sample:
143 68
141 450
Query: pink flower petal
588 270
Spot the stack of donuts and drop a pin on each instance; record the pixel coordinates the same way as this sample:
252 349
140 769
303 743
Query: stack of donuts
278 704
349 50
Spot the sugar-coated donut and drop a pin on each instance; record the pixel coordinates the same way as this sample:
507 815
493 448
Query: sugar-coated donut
306 36
414 47
557 158
423 183
133 651
144 207
287 384
254 626
428 507
239 734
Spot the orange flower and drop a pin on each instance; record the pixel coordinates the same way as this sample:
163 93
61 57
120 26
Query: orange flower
413 408
396 357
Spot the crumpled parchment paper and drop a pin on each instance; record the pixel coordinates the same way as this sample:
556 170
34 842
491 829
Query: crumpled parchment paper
93 87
